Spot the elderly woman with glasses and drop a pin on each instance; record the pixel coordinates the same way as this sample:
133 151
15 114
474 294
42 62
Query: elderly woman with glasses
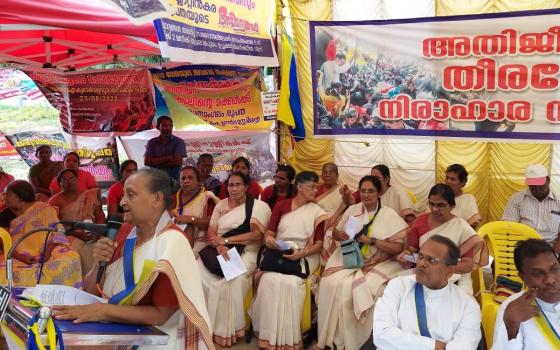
441 221
346 295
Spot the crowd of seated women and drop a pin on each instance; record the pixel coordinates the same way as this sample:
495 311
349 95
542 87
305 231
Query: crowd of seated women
312 215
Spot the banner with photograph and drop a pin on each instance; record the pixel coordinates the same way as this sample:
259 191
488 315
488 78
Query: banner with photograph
224 147
224 98
219 32
26 142
482 76
98 156
102 101
142 11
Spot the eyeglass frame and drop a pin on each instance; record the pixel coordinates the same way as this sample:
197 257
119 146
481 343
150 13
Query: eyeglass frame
432 261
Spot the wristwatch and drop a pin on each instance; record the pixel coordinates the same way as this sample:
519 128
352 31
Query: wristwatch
226 241
372 241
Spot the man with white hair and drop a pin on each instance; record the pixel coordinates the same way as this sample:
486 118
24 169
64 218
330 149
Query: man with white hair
537 206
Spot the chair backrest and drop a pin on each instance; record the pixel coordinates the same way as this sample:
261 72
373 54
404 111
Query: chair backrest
501 238
6 239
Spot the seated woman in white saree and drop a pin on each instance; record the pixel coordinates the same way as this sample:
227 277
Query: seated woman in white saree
152 277
328 195
440 221
456 177
225 299
193 207
278 305
346 295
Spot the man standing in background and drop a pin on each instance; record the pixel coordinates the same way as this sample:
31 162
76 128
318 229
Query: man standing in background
166 151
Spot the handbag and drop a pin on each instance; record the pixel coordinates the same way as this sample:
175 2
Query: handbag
351 254
274 261
209 254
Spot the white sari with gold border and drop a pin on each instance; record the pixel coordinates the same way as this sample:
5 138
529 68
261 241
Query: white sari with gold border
346 297
196 208
171 254
277 308
225 300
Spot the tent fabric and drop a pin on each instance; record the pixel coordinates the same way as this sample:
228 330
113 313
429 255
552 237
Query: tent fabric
92 16
66 34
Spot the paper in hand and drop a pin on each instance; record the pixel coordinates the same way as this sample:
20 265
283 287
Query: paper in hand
234 267
352 226
283 245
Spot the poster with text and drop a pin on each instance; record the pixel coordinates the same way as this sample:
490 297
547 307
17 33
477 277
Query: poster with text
218 32
26 142
117 101
98 156
481 76
204 97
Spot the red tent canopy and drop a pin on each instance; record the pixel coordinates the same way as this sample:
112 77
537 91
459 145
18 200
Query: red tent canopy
65 34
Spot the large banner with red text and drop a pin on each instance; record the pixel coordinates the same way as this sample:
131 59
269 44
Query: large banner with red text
116 100
483 76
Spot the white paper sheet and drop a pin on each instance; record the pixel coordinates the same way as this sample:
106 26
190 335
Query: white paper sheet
283 245
234 267
48 294
352 226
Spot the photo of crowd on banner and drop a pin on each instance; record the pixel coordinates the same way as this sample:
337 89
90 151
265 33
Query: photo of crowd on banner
358 85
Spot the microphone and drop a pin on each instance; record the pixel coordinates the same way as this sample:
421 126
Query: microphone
81 225
113 226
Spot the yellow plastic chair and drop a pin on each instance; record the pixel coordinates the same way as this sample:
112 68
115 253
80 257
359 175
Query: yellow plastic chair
501 238
6 239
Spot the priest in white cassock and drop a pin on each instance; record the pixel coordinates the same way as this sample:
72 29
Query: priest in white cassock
531 319
424 311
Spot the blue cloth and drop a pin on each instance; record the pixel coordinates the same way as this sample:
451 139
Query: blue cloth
175 147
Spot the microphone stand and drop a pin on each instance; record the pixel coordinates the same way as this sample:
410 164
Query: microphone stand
9 260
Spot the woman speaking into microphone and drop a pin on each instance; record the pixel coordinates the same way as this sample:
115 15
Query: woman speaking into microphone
151 277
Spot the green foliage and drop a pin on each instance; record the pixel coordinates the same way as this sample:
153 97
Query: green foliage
28 117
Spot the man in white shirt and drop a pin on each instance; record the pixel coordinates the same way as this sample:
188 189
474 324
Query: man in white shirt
531 319
452 317
537 206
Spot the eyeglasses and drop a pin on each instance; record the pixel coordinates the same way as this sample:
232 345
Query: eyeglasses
368 190
431 260
438 205
312 186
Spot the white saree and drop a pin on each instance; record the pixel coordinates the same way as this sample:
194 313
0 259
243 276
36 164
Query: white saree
197 208
346 297
278 306
167 252
225 300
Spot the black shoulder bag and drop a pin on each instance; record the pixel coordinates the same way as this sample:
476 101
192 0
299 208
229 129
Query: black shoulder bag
209 255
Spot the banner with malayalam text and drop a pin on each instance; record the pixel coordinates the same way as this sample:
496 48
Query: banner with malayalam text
218 32
480 76
112 100
207 97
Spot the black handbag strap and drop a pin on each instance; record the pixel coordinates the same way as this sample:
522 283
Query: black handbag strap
365 228
246 225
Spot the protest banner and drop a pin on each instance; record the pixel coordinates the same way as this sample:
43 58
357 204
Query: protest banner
26 142
476 76
6 148
256 146
98 156
102 101
219 32
225 98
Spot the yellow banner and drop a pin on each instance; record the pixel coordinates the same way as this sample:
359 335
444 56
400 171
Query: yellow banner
236 107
